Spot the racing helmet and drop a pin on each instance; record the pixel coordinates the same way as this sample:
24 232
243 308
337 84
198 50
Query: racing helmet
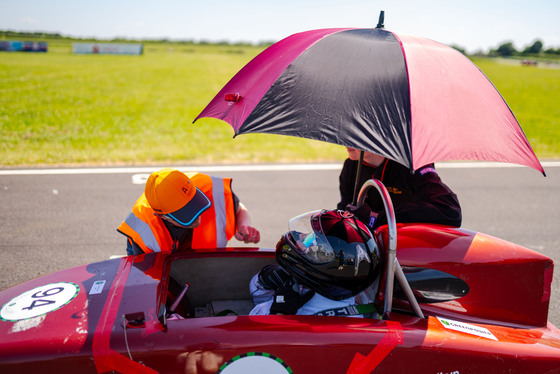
330 252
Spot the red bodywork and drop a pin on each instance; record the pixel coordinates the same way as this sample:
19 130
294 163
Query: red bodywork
499 326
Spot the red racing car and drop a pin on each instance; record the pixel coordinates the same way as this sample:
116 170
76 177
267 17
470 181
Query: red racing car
452 301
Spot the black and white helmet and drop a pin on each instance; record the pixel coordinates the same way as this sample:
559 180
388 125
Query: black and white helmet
331 252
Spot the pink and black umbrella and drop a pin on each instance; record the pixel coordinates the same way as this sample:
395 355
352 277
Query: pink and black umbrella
407 98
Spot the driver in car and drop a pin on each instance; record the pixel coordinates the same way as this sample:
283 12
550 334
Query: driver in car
327 264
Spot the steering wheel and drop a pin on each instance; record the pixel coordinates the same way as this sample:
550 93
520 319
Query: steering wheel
393 267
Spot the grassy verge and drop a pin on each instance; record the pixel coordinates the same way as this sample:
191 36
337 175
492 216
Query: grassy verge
60 108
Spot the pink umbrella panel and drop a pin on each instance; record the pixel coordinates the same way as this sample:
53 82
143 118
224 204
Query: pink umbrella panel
407 98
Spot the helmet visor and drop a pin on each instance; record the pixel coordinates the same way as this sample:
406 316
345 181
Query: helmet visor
309 239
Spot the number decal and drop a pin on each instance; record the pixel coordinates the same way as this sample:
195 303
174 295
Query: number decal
255 362
39 301
50 292
43 298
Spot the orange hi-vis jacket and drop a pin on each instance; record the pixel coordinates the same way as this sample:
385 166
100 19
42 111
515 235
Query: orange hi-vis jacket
217 224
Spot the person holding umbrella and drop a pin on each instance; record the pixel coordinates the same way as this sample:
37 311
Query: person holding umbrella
179 212
418 196
409 98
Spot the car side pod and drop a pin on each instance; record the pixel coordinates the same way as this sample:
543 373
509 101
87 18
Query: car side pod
393 267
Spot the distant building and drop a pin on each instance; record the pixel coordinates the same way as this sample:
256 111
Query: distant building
108 48
17 46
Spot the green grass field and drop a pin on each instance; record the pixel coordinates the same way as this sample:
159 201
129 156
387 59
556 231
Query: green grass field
58 108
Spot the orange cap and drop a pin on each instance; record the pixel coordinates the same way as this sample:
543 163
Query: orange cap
171 192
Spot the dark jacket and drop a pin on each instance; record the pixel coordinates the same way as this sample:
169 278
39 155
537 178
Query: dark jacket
419 197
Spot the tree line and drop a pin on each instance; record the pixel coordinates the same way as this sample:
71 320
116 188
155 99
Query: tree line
41 36
505 49
536 49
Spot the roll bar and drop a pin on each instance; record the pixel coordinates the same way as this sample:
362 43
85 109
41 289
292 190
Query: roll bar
393 266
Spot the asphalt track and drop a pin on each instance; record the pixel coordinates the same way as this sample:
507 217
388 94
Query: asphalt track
58 218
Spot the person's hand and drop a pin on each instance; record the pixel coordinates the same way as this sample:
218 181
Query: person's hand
288 301
247 234
200 362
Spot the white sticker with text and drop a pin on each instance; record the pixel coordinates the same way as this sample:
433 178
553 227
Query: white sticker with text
467 328
97 287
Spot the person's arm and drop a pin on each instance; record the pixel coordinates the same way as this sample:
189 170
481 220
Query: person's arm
245 232
346 183
434 202
132 248
441 203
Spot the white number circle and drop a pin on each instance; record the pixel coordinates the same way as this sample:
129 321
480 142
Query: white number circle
255 362
39 301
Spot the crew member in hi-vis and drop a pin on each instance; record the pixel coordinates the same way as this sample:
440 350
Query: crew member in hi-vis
179 211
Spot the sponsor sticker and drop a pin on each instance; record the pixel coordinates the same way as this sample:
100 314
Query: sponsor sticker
467 328
97 287
255 362
39 301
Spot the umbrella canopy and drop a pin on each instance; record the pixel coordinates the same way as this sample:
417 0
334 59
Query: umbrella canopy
404 97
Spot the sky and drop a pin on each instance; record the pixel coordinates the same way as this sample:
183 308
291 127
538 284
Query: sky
475 25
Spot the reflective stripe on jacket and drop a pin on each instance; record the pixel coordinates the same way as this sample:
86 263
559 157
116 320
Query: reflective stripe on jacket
145 229
217 223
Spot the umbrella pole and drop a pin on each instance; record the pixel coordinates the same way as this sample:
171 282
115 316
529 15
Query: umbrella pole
357 181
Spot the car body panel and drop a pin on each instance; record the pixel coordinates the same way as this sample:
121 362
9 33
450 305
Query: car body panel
116 326
499 273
